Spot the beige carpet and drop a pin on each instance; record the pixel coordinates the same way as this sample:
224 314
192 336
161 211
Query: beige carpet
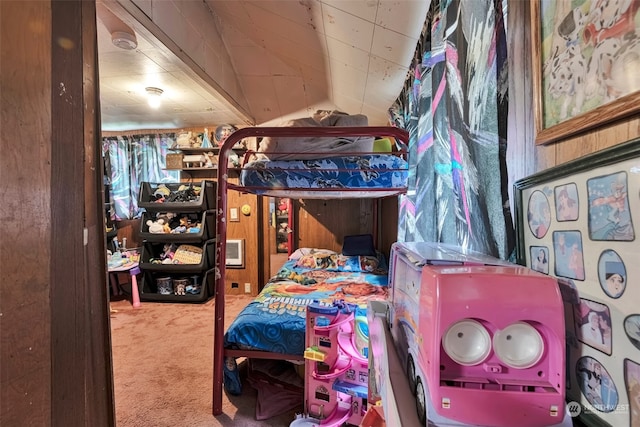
162 363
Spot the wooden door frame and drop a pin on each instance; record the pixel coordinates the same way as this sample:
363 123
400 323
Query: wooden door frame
79 300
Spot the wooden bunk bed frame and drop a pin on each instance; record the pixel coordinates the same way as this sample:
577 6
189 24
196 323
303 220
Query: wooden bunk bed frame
219 352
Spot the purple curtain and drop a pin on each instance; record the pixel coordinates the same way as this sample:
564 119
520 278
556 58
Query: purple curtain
131 160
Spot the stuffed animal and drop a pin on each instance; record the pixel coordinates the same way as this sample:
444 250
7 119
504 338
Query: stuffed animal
179 229
168 252
168 221
160 193
283 229
156 226
211 160
283 207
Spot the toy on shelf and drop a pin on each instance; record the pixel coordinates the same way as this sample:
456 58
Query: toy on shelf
336 386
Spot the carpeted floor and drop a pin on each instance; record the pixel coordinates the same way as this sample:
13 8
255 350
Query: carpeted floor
162 363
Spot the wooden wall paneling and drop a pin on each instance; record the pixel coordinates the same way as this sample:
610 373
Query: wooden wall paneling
130 229
323 223
269 237
524 158
388 221
246 228
56 365
596 140
521 149
25 128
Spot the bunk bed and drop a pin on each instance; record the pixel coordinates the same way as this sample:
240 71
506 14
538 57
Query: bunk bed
354 170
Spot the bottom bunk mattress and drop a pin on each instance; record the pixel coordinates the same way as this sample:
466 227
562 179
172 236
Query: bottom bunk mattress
385 173
275 321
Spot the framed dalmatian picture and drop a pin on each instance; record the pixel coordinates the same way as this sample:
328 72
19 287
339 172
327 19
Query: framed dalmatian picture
578 222
586 57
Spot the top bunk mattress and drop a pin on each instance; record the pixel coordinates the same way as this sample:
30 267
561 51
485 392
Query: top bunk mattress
357 175
275 321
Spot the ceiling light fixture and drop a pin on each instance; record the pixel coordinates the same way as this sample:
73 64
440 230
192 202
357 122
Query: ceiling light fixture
153 96
124 40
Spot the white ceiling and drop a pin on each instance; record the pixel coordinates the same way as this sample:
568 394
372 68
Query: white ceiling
288 58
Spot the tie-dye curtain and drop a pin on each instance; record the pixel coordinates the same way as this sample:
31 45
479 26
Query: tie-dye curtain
455 109
131 160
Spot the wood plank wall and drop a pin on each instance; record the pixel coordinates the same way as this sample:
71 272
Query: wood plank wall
324 223
25 348
55 343
249 228
524 156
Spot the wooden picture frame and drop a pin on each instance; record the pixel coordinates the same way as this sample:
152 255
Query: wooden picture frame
235 253
584 68
577 222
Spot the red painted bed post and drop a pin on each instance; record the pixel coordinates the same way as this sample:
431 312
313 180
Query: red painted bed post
221 247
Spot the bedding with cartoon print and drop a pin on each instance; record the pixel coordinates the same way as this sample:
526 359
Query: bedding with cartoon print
275 320
371 171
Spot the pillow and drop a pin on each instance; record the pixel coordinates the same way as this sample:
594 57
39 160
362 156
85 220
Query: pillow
358 245
338 262
300 252
364 264
318 261
308 147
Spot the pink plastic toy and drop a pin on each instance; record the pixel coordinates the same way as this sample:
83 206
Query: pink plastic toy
482 340
336 384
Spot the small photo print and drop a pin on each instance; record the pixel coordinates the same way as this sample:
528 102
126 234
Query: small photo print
632 384
593 325
567 254
609 215
596 384
612 274
539 259
567 208
632 329
538 214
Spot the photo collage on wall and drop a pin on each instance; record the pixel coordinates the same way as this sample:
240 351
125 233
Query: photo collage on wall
578 225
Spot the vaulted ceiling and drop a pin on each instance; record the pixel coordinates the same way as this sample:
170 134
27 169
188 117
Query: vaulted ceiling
253 61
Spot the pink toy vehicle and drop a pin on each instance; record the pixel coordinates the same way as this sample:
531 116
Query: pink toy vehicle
336 386
482 340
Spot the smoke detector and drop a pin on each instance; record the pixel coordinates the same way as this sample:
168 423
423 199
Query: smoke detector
124 40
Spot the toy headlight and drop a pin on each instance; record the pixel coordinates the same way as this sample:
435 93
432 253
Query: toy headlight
467 342
519 345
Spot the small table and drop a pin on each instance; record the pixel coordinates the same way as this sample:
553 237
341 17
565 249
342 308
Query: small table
133 269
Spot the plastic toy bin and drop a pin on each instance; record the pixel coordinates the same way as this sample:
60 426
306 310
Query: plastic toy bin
149 287
153 250
205 200
207 228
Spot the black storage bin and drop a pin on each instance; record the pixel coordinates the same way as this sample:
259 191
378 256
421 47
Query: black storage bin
153 250
206 199
207 229
149 287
